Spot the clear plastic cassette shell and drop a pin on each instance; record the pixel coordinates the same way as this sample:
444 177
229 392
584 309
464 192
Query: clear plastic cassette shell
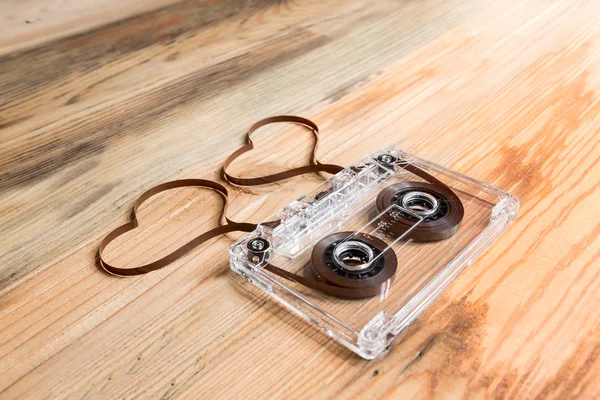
347 203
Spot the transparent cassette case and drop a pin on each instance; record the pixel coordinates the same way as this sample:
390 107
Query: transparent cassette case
347 202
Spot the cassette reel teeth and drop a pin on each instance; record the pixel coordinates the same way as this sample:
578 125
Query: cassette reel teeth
441 210
356 264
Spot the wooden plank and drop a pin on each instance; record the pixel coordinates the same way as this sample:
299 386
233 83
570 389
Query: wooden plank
24 24
69 130
508 95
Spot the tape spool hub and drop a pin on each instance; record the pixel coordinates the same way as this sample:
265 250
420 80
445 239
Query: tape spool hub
353 258
427 204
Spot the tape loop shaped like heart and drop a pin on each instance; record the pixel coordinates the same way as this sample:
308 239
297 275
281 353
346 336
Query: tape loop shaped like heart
227 226
324 273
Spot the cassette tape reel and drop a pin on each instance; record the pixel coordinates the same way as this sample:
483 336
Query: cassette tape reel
364 253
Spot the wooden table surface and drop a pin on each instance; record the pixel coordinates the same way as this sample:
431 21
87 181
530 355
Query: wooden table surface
100 100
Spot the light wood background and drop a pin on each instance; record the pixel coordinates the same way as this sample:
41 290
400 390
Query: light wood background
100 100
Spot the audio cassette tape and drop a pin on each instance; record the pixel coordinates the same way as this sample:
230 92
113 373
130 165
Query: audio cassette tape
362 255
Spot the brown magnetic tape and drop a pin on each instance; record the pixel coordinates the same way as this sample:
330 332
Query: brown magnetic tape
321 274
315 164
228 226
438 226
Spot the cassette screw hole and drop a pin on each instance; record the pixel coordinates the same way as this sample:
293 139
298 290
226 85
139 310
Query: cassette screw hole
387 159
257 245
258 249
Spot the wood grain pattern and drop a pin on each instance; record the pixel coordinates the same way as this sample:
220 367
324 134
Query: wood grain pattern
505 92
29 23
